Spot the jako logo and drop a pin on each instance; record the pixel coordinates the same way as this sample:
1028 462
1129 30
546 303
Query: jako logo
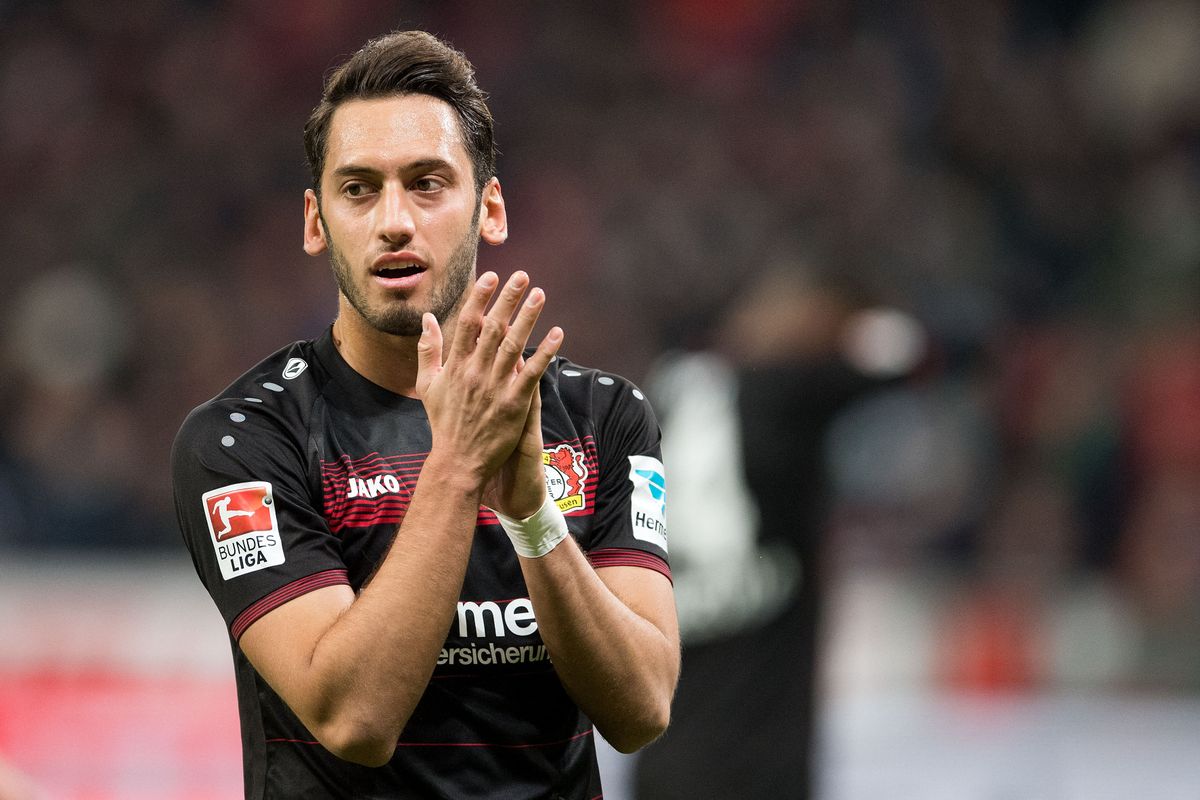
372 487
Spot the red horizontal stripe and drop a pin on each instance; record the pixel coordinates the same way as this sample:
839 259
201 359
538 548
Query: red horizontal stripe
360 514
397 505
608 559
337 484
361 520
626 557
393 519
588 440
343 512
411 463
588 444
394 516
357 506
342 506
290 591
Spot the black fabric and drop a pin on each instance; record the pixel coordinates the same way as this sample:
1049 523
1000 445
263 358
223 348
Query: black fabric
334 458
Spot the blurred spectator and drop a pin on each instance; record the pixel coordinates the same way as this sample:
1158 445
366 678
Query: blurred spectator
752 543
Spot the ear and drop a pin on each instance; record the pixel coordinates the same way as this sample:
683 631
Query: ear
314 231
493 220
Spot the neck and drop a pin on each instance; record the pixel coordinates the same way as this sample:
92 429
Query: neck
384 359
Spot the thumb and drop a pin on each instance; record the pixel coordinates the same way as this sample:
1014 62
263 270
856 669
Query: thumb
429 352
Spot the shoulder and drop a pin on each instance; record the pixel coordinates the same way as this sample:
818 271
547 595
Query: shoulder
275 398
594 391
608 406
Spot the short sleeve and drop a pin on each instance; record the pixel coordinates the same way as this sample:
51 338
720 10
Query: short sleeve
630 527
247 512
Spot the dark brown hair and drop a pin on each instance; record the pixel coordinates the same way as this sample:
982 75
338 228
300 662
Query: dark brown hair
407 62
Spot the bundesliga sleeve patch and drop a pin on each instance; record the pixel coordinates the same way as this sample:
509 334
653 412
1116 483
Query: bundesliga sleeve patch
648 503
245 532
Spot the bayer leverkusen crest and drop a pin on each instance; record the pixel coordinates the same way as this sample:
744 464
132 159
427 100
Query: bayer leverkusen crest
566 474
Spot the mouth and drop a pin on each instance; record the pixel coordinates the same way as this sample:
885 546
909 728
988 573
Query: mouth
396 271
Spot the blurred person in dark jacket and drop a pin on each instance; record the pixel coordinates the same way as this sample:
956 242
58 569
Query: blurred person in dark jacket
746 427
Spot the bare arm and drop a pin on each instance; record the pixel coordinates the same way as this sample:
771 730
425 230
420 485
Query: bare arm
612 633
614 639
354 667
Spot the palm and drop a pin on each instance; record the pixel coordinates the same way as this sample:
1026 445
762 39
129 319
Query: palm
483 401
518 488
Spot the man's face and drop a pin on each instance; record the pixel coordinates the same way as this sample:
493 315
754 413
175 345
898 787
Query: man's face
399 213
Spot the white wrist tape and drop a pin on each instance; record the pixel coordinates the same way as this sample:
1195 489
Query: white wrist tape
537 535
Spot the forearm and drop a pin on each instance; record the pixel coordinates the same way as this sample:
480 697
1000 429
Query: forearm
617 665
370 667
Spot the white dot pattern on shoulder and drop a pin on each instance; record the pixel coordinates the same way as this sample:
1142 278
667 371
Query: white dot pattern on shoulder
227 441
572 373
638 394
252 399
605 380
237 416
274 387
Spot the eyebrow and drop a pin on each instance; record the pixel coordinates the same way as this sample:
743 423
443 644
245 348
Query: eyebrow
415 166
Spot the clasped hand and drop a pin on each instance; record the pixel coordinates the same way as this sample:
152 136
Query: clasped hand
482 400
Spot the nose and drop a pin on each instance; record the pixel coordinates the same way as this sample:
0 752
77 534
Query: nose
396 222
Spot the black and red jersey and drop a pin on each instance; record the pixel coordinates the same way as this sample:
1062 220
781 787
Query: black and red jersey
296 477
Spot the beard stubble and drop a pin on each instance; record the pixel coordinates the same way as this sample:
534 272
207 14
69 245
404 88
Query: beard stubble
401 317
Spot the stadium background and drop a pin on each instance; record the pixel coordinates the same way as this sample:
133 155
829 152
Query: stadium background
1017 565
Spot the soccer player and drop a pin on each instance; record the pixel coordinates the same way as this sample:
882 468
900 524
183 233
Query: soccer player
346 502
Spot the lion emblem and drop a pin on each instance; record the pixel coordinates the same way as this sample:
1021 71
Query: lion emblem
566 473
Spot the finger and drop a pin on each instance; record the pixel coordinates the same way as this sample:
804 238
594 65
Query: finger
510 297
508 355
429 352
536 364
495 322
470 317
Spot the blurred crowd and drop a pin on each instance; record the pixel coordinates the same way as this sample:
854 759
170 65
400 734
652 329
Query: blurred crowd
1021 177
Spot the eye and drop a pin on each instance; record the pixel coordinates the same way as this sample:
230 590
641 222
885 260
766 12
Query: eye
427 183
357 189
